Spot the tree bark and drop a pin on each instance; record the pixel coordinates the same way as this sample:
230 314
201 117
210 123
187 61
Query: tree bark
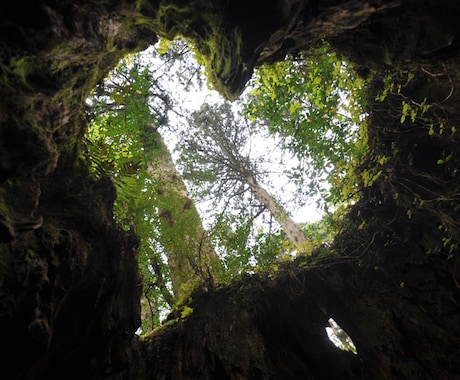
289 226
192 259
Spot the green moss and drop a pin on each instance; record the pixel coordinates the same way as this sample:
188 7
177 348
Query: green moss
216 46
21 67
17 71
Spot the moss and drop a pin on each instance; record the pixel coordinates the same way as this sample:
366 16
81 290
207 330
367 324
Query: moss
22 67
216 44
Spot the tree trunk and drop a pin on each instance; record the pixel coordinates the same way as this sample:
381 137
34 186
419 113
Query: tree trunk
190 254
291 228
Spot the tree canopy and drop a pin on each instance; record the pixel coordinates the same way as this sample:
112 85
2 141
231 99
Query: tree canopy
318 125
315 104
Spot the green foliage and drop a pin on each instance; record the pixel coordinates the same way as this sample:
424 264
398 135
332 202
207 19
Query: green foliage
216 159
295 98
126 110
244 250
124 143
318 232
315 104
212 151
410 109
230 234
409 177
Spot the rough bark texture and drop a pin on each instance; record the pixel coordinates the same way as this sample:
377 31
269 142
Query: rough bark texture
191 257
69 291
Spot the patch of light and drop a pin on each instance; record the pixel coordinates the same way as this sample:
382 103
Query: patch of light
339 337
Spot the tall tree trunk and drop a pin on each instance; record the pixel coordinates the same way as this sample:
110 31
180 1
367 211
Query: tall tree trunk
190 254
291 228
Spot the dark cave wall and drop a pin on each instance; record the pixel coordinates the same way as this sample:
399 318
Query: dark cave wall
70 290
68 274
70 294
258 328
410 216
274 328
407 33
